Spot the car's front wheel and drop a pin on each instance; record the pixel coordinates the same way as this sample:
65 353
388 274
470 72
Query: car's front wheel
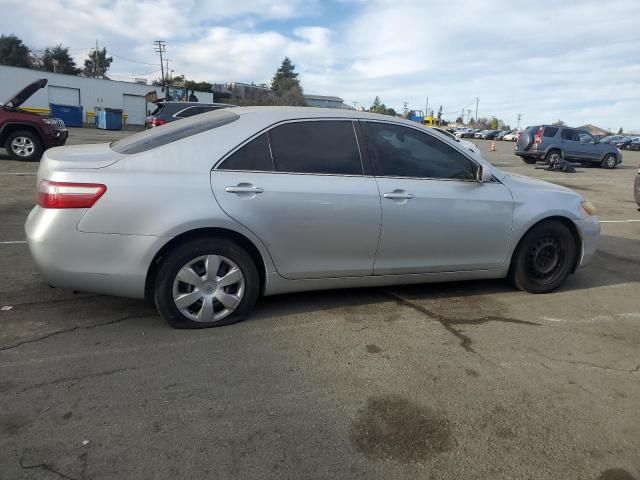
24 145
544 258
206 282
609 161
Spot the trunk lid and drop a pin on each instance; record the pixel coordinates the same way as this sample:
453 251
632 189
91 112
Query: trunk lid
77 157
24 94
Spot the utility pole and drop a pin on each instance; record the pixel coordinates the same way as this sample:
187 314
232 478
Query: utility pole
161 47
426 109
519 117
95 61
405 108
468 116
477 101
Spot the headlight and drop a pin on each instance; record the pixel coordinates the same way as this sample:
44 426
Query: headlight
589 208
50 121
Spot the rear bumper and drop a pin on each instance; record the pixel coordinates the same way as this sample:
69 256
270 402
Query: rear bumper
590 232
110 264
530 153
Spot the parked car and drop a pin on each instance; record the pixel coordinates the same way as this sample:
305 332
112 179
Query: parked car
206 214
512 137
552 142
167 112
480 133
463 132
27 135
501 134
634 144
612 139
491 135
636 188
623 143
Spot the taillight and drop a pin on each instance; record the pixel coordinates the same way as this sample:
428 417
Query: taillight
156 122
538 137
69 195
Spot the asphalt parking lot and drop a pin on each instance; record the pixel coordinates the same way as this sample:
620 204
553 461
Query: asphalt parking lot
468 380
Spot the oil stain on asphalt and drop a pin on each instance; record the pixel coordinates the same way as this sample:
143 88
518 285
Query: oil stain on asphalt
392 427
616 474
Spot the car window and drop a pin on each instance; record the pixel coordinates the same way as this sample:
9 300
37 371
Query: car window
157 110
569 134
190 112
550 132
586 137
254 156
325 146
173 131
401 151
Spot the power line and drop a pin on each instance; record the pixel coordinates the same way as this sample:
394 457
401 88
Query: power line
130 60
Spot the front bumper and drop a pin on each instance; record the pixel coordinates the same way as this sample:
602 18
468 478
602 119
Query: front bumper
109 264
589 229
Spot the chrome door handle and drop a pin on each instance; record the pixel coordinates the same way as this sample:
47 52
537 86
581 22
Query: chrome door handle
398 195
243 189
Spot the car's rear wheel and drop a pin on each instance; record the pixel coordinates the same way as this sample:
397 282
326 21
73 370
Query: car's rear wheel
529 160
554 156
206 282
24 145
609 161
544 258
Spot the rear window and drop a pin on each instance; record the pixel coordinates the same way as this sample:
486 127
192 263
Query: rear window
171 132
550 132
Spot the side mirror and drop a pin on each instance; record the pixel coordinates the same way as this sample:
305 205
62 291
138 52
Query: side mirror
484 174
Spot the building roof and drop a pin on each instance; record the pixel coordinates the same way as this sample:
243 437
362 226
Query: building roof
593 130
323 97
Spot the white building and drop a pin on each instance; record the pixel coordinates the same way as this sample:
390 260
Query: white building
90 93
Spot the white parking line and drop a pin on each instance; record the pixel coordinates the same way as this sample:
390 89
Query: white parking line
13 242
619 221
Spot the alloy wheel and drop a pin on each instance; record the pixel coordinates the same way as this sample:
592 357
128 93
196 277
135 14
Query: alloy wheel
22 146
208 288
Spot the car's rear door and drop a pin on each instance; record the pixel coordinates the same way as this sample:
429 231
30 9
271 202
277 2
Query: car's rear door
302 189
435 216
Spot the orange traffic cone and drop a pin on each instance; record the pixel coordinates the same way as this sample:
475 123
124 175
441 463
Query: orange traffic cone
493 146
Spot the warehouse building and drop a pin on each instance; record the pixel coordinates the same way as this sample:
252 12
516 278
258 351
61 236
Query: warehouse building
89 93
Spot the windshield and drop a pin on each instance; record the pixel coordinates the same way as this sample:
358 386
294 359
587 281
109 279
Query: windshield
171 132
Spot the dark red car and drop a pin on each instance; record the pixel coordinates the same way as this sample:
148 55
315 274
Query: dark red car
27 135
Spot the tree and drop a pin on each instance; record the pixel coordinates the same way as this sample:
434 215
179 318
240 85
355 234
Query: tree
459 120
439 113
13 52
494 123
97 64
620 131
559 123
285 77
57 59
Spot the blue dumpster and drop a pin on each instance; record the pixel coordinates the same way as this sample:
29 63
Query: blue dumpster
109 119
71 115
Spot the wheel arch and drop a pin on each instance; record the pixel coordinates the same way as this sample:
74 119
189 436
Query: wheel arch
551 149
567 222
8 128
207 232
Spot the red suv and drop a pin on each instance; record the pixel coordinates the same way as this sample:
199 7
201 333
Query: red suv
27 135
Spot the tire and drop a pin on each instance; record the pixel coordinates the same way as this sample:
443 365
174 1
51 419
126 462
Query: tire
553 156
545 257
200 305
24 145
610 161
529 160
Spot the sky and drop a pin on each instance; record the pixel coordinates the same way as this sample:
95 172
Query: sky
548 60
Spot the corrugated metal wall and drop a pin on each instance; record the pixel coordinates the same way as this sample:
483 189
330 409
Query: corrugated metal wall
92 92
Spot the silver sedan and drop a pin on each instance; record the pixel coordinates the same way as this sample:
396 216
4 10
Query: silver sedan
205 215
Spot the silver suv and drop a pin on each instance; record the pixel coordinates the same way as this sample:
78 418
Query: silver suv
553 142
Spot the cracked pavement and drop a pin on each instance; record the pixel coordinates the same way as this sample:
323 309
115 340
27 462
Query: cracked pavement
468 380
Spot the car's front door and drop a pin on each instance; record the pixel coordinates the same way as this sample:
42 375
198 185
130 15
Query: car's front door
590 149
571 144
302 189
436 217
